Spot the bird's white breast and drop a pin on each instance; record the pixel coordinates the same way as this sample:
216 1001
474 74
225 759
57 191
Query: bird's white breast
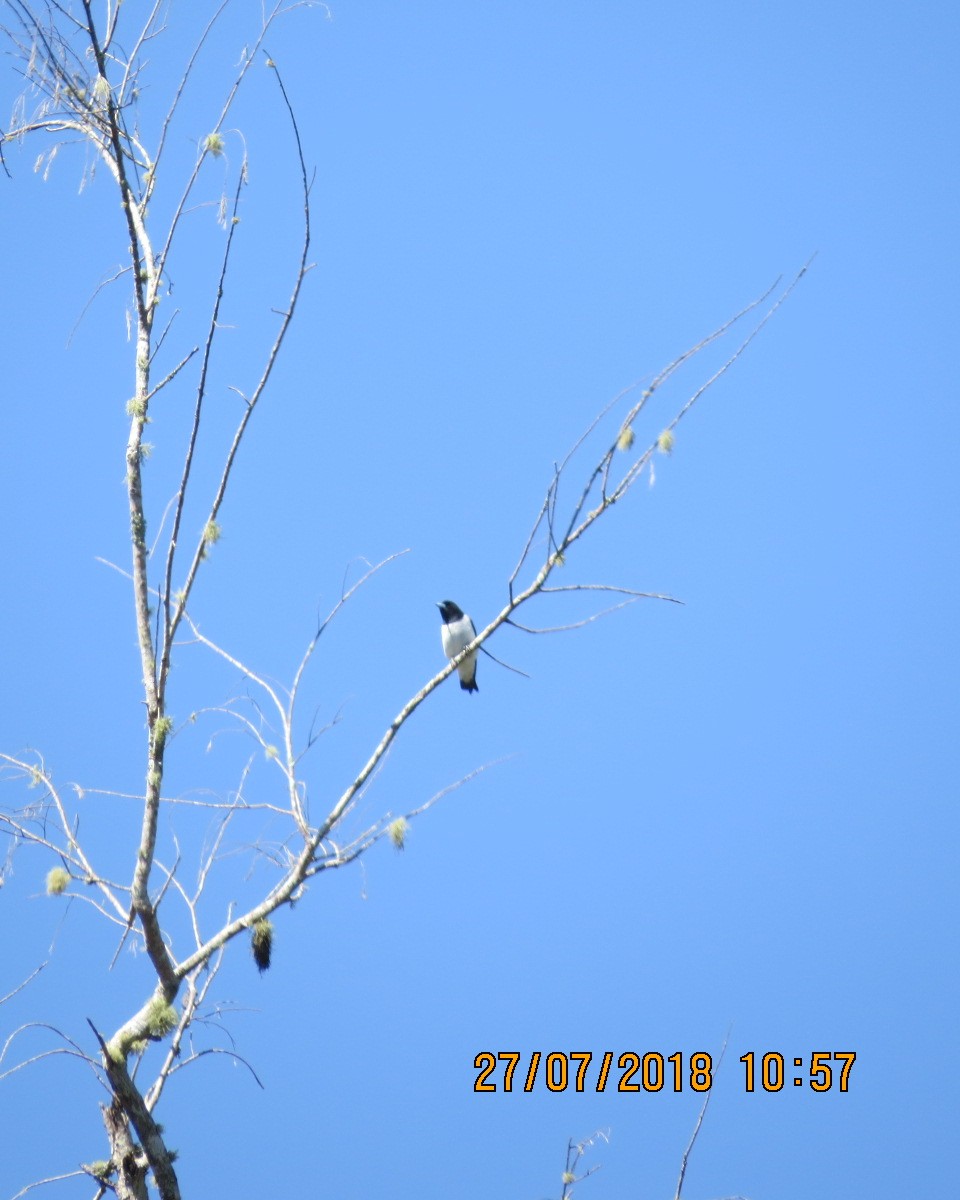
456 635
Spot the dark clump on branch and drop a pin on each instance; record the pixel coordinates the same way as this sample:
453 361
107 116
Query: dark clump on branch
261 943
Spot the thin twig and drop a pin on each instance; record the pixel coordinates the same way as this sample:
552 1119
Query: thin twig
43 1182
20 986
699 1123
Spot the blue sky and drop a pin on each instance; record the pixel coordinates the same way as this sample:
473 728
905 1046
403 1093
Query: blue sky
736 814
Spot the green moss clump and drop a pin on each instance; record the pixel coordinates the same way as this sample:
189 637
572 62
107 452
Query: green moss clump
57 881
162 1019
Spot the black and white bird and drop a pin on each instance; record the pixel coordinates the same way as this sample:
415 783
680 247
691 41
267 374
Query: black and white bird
456 632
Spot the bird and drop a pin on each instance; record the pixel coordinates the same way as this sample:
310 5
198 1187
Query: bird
456 632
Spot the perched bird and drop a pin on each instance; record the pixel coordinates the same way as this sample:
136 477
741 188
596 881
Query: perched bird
456 632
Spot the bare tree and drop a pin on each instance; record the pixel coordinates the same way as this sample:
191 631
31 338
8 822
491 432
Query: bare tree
83 73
